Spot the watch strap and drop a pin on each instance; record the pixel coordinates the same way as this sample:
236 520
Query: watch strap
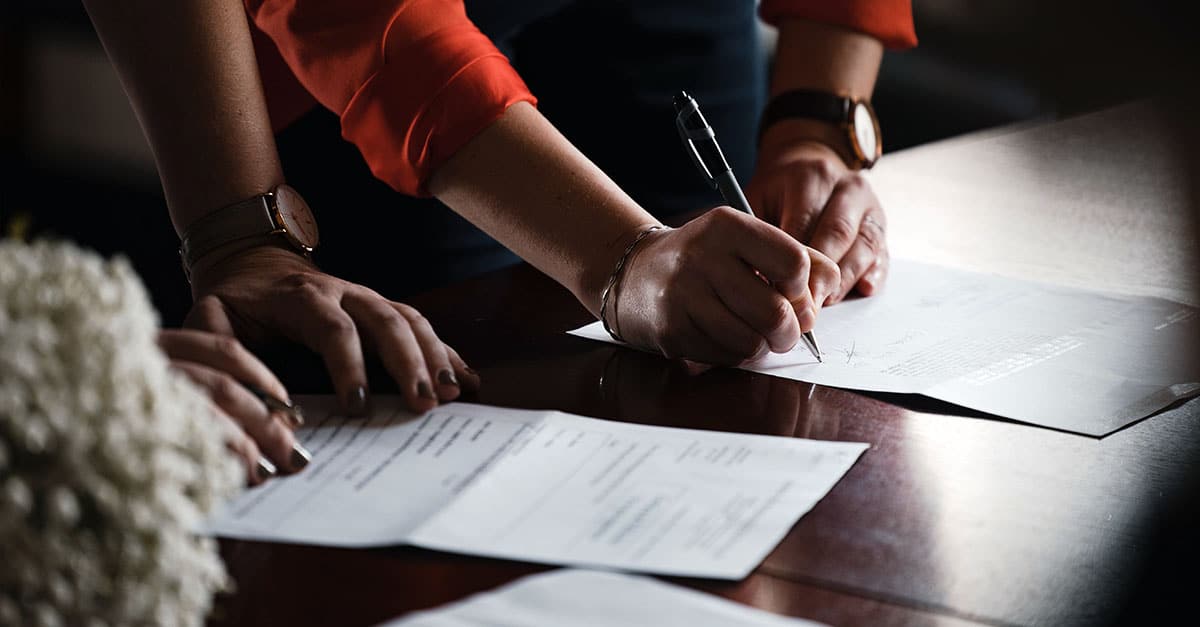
249 218
805 103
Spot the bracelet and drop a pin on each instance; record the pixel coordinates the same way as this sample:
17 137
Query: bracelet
612 279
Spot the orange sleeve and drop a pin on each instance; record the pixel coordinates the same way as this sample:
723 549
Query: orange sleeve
889 21
412 80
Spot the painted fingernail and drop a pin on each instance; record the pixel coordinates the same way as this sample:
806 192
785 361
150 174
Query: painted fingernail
446 377
425 391
300 456
265 469
357 403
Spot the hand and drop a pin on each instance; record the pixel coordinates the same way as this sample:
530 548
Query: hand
221 366
723 289
266 293
806 189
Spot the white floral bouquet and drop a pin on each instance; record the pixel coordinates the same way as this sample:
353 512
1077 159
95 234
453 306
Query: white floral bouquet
109 461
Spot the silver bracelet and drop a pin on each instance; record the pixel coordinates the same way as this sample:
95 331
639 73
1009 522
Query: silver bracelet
612 279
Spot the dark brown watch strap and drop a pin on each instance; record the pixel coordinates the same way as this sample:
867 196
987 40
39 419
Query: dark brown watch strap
808 104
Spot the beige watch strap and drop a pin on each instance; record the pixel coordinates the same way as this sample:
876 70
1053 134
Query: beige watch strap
249 218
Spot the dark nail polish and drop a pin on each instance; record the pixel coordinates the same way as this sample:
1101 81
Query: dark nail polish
266 469
357 403
300 456
425 391
446 377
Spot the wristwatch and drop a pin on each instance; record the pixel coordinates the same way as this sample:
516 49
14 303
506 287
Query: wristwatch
279 213
855 117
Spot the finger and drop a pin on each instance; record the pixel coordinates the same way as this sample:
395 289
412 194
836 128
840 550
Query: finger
322 325
466 375
392 337
802 197
274 439
209 314
776 255
824 278
684 340
759 305
437 358
876 276
841 219
221 352
727 331
243 448
854 265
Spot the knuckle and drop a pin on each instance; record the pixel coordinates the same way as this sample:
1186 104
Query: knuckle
224 390
780 315
825 169
841 228
408 311
872 234
228 347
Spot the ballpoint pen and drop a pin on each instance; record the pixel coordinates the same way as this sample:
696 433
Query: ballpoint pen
702 146
290 411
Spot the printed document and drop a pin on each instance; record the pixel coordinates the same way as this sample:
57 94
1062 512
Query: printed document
542 486
568 597
1070 359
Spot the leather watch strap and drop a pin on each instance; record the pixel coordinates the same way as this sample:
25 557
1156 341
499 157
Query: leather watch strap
249 218
805 103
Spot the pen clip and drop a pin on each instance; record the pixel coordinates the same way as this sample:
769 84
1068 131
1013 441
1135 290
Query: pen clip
692 152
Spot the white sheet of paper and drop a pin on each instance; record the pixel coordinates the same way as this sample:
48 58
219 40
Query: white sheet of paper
1060 357
542 486
568 597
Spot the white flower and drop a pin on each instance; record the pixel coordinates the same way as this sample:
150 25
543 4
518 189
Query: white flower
108 459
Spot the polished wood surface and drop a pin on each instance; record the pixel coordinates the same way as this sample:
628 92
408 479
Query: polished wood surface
952 517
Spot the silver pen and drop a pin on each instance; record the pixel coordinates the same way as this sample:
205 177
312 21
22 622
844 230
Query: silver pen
702 145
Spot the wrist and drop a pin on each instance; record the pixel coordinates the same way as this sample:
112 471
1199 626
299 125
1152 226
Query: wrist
786 137
258 255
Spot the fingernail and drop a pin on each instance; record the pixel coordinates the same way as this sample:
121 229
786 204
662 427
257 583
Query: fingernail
470 370
446 377
266 469
424 391
357 403
300 456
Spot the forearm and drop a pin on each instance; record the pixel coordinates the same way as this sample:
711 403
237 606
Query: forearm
812 55
188 68
524 184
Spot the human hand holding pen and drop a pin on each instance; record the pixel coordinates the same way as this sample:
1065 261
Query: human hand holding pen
700 292
700 140
247 397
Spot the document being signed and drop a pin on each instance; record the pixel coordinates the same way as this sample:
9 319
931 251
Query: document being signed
1075 360
542 486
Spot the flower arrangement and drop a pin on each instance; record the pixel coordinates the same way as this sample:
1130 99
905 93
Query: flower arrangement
109 461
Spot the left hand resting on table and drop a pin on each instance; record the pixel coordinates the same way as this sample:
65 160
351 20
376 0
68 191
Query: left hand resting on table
806 189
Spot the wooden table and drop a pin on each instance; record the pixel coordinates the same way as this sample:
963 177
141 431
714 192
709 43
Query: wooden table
951 517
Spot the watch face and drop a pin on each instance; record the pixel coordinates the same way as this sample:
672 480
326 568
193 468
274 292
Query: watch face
865 134
296 218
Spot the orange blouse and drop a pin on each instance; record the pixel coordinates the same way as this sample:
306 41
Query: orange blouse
414 80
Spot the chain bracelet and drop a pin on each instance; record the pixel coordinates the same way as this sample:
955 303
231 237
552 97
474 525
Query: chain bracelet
616 273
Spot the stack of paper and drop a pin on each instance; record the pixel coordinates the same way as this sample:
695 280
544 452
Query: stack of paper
1074 360
542 486
581 598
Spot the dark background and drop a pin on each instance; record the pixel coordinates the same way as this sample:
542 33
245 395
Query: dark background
74 165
